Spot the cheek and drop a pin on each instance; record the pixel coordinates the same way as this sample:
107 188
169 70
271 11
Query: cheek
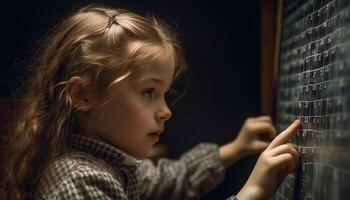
126 116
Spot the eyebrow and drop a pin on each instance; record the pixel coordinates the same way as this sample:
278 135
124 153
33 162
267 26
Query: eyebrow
156 80
153 79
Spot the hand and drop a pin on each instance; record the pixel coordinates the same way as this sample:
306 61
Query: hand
278 160
254 137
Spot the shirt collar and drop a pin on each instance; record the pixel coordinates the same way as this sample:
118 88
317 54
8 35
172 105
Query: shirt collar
102 150
130 160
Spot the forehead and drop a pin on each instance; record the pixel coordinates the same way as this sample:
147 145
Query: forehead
162 67
147 64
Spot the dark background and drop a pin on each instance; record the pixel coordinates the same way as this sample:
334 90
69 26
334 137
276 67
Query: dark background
221 41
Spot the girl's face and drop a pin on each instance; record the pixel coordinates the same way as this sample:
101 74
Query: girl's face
135 116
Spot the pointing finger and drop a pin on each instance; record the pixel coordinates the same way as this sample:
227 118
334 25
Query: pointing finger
283 137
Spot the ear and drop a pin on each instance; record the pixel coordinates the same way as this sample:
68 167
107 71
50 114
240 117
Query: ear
79 93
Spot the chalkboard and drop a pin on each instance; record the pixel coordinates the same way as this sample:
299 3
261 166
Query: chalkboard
314 86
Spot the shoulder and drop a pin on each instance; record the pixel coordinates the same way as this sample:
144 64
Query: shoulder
78 175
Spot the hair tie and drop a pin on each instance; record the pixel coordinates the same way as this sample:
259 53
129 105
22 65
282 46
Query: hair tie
112 20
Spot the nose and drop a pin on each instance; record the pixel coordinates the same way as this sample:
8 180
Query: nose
164 114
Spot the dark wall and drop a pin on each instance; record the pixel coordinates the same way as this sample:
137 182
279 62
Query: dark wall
221 41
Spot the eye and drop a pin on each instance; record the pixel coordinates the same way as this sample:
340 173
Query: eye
148 92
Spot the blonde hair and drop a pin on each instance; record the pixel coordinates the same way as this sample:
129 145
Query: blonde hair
98 43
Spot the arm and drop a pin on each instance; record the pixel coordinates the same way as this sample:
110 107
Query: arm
86 184
202 168
194 174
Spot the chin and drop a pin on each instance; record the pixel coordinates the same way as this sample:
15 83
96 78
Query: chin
142 155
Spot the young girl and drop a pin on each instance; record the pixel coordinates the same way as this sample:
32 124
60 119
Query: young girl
94 107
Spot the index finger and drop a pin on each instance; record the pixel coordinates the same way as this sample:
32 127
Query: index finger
283 137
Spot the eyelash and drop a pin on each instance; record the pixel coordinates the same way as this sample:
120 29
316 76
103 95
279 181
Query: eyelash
151 91
148 91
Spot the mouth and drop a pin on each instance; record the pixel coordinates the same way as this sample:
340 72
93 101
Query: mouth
155 135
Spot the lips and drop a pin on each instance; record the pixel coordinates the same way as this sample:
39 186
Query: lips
156 133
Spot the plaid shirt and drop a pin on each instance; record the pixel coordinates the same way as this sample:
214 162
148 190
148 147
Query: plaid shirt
95 170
